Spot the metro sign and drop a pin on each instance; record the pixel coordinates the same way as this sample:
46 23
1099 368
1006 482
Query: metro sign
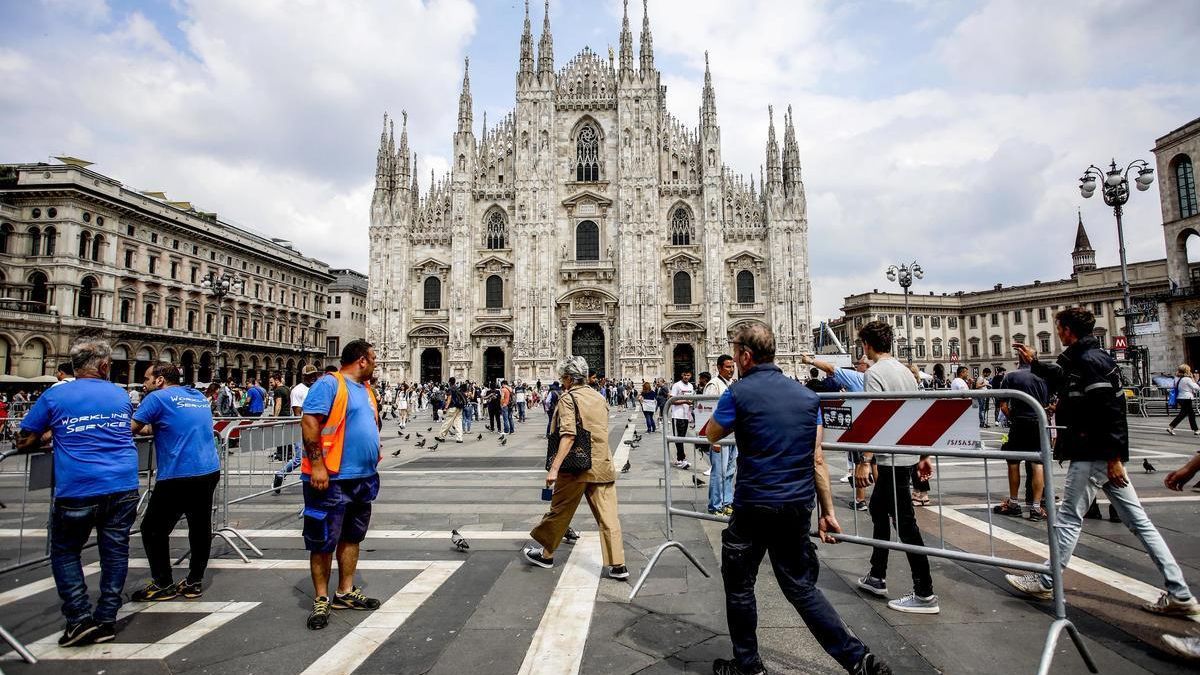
1120 343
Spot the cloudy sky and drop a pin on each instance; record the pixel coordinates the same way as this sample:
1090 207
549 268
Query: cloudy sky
952 132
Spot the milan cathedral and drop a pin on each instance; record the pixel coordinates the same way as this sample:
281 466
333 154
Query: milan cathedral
588 221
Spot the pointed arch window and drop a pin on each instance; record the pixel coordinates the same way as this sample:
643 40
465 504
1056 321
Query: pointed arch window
682 287
494 292
1185 185
496 234
87 289
745 286
587 157
681 227
587 241
433 293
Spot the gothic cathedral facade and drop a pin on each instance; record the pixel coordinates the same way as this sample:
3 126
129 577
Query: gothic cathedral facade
588 221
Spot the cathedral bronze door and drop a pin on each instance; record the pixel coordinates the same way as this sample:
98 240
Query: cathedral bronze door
493 365
431 365
684 358
588 341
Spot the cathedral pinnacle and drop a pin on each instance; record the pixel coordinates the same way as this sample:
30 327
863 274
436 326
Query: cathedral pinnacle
647 46
546 51
626 68
525 73
465 115
774 174
708 110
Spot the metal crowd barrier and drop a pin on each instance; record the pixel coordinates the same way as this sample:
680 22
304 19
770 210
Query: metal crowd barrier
1044 455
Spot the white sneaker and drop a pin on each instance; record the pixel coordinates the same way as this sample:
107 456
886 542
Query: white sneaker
1173 606
707 471
915 604
1029 584
1187 647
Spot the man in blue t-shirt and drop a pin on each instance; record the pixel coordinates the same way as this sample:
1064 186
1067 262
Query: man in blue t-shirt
96 487
256 399
340 480
188 470
781 469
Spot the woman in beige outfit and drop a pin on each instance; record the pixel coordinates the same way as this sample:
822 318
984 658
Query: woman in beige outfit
598 484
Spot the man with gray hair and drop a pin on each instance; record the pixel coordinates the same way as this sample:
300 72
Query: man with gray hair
96 487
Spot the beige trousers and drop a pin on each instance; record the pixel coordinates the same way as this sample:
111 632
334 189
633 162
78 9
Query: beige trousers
453 422
601 497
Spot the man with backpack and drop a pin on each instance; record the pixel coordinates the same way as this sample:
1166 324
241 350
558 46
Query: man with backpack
453 408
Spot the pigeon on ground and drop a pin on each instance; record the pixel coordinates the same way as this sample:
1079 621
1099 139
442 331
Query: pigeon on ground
433 447
479 437
697 482
421 443
407 436
625 469
396 453
1148 466
429 429
630 442
419 435
503 440
459 542
399 432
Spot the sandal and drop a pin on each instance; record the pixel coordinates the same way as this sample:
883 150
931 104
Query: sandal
922 500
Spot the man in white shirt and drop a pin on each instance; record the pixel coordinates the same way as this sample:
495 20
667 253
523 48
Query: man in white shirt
296 401
722 459
984 382
959 383
890 498
681 415
65 373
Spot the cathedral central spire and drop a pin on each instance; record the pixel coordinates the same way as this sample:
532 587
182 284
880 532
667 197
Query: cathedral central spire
708 110
465 115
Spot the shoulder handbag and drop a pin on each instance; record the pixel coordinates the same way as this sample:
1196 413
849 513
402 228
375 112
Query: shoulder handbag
579 458
1173 396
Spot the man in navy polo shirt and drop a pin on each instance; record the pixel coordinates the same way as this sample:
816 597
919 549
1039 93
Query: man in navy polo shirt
188 470
781 470
95 487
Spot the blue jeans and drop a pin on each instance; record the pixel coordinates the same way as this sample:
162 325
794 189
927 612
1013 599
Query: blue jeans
984 403
521 410
506 418
753 531
71 525
294 462
1084 479
468 416
720 479
649 421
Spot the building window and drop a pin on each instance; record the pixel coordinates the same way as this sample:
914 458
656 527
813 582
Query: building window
1185 184
920 345
918 322
494 292
35 241
153 237
86 292
191 320
995 318
587 158
337 315
337 299
148 316
171 312
433 293
51 238
128 258
6 232
241 327
899 321
209 319
937 348
745 286
97 244
85 245
681 227
125 310
682 286
1098 309
1016 316
935 322
587 241
972 322
974 348
152 264
1041 314
995 346
953 345
331 347
174 269
1044 343
496 230
952 322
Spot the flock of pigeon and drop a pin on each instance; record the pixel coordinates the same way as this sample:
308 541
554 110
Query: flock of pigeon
406 435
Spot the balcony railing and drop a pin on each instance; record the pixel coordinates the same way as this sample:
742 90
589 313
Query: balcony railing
747 308
677 309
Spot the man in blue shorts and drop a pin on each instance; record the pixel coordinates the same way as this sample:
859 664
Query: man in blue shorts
187 474
96 487
341 451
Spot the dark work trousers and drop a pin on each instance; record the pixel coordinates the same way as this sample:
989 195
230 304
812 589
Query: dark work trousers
172 499
681 429
494 419
782 531
1188 410
891 493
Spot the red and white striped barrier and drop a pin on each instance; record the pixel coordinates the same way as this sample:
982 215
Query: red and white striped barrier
936 423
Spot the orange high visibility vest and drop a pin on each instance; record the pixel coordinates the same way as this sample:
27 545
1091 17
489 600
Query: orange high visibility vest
333 433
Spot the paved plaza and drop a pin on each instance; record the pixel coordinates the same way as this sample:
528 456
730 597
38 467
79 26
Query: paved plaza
483 611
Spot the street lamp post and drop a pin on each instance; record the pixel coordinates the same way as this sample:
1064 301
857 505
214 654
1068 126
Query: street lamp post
218 286
1116 195
904 274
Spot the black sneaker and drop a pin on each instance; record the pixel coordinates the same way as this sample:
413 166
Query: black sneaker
152 592
354 600
533 556
618 572
571 536
105 632
79 634
1008 508
276 483
1037 514
319 618
871 665
730 667
190 589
